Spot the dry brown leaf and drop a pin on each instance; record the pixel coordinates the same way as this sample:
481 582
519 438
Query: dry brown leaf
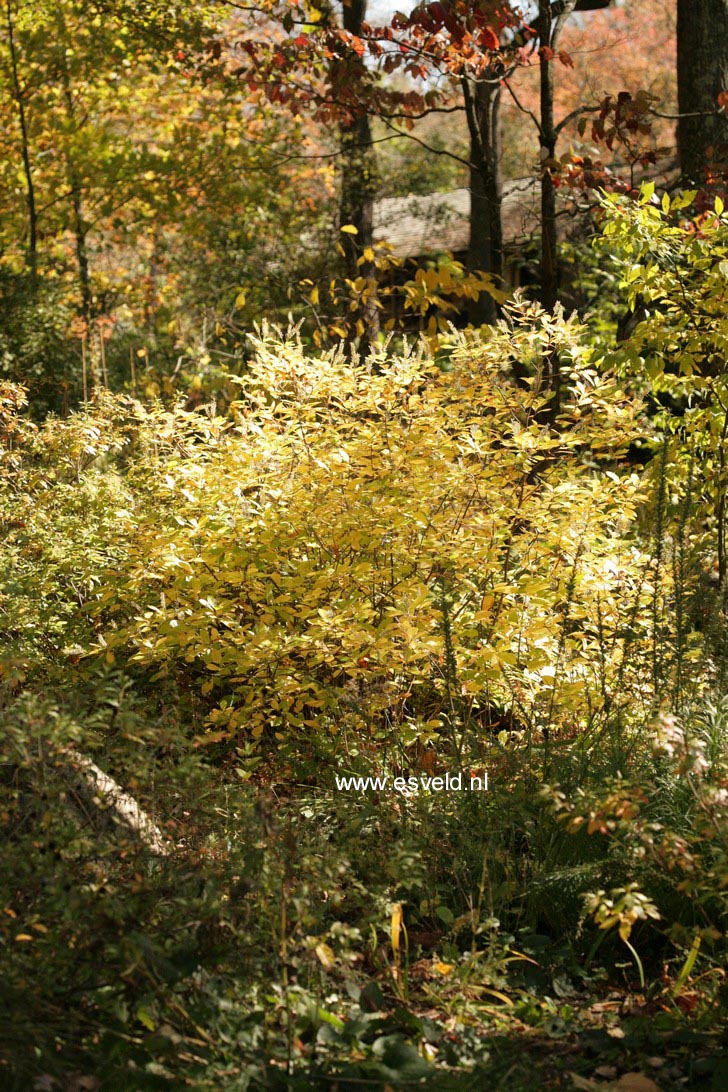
585 1085
635 1082
615 1031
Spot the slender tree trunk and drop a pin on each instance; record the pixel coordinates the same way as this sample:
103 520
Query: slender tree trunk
549 28
702 73
80 231
359 189
84 275
75 186
547 135
550 25
485 252
25 149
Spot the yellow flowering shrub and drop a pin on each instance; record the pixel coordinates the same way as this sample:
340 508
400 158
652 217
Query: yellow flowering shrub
395 546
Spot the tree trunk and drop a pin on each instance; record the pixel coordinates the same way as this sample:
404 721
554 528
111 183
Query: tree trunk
78 223
485 252
702 73
359 188
549 32
79 231
17 93
549 272
550 25
74 182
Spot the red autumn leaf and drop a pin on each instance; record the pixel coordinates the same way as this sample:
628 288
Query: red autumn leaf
490 39
437 11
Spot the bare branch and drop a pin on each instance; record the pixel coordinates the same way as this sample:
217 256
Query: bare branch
522 108
430 148
575 114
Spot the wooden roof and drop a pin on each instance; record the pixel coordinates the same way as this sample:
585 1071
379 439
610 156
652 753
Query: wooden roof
418 225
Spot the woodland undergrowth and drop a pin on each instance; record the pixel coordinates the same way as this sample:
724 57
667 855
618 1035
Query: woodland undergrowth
391 567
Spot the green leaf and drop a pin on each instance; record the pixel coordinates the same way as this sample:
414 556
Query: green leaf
145 1017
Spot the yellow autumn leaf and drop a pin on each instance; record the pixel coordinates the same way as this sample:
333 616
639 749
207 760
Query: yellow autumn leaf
325 955
145 1017
349 229
499 996
395 927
